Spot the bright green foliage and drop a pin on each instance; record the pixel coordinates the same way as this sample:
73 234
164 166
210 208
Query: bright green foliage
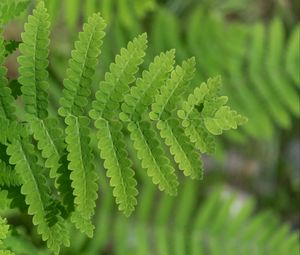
117 81
134 118
83 175
257 63
142 95
10 9
164 94
184 154
113 150
6 100
8 176
50 141
82 67
150 152
292 55
205 110
73 103
37 194
33 63
172 90
4 231
225 221
128 12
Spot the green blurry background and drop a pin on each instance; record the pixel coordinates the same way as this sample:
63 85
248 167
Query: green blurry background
252 182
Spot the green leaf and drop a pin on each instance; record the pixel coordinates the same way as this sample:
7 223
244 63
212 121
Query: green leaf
83 173
37 194
82 67
117 81
33 62
150 151
111 144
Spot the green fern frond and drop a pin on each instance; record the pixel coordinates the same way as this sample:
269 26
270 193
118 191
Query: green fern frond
142 95
284 90
7 109
258 38
184 154
224 119
8 176
82 67
50 141
11 9
205 106
171 92
120 110
37 194
4 232
83 173
117 81
111 144
33 62
10 130
292 56
150 152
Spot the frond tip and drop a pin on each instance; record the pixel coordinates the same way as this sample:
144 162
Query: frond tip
33 62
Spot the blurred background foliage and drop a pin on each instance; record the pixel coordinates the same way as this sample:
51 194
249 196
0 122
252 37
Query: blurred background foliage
254 46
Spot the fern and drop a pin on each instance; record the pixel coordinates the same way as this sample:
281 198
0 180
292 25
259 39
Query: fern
33 63
150 152
6 100
83 175
4 231
141 96
170 93
126 108
82 67
253 57
113 151
37 193
117 81
11 9
224 221
74 100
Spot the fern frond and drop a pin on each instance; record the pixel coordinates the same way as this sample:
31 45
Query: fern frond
4 229
50 141
150 152
292 56
82 67
171 92
4 233
37 194
113 151
192 122
8 176
11 9
264 88
83 173
33 62
7 109
117 81
184 154
284 89
224 119
142 95
9 130
64 183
